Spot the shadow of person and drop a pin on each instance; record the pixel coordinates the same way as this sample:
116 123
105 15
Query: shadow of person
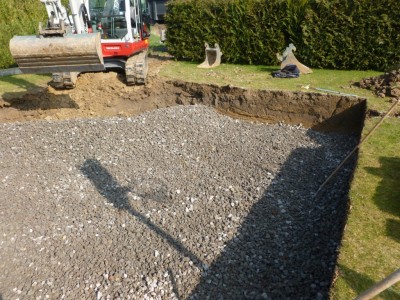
117 195
387 194
360 283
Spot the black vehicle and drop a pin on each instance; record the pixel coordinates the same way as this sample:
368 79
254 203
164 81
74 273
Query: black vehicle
157 10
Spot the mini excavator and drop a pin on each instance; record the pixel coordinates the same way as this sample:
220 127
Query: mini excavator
95 35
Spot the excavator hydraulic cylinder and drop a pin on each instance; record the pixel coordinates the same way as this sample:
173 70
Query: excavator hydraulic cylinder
70 53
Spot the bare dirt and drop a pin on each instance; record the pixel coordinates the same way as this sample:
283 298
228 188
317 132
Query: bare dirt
106 95
96 95
386 85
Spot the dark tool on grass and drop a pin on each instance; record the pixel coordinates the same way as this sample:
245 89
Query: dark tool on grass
307 87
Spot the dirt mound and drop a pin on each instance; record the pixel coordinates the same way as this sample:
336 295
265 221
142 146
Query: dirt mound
96 95
386 85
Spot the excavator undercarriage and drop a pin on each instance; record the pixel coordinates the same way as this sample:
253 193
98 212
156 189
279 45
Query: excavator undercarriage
136 69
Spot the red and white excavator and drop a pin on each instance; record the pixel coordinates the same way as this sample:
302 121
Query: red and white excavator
97 35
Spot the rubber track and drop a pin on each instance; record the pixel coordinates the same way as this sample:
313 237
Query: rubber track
136 69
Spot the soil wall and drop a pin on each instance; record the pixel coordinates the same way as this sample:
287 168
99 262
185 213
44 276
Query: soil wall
330 113
105 94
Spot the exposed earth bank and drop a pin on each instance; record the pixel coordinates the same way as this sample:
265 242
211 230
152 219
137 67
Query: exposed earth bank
96 95
105 94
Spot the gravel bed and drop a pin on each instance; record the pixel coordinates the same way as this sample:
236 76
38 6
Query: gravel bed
173 204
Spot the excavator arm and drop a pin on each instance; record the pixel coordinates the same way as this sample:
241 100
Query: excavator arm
56 12
64 45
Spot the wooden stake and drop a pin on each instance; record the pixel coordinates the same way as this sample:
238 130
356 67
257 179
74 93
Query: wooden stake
380 286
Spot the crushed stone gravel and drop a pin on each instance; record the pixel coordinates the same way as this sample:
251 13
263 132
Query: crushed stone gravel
175 203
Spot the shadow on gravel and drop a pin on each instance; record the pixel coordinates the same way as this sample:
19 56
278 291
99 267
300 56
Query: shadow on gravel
117 195
174 285
286 248
360 283
387 194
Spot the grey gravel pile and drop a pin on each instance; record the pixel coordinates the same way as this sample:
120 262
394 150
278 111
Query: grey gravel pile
173 204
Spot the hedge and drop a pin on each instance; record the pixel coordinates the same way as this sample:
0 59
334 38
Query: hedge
351 34
247 31
337 34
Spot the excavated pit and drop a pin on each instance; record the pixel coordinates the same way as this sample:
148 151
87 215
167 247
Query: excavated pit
105 94
216 207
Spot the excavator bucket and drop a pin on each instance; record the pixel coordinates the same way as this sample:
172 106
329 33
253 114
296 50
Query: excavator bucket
213 57
71 53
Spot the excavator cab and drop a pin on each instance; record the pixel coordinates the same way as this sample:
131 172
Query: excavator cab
124 36
119 19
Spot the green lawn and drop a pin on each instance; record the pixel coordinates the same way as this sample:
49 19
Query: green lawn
20 84
371 244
